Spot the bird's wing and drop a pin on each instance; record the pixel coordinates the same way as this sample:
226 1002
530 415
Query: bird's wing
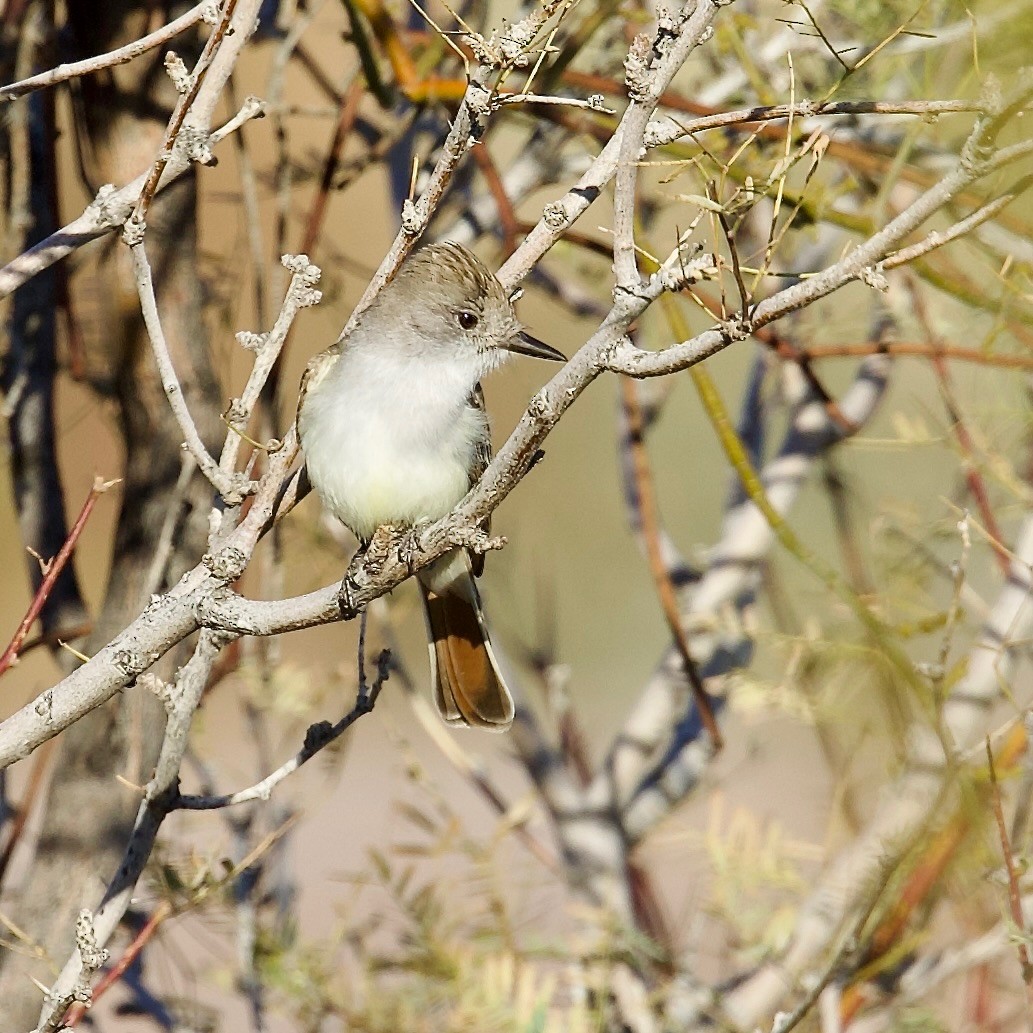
482 457
317 368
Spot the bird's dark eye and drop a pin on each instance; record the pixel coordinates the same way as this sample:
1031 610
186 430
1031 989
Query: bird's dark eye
468 320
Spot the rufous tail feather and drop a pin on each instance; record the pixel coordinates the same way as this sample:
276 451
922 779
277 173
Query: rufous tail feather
468 688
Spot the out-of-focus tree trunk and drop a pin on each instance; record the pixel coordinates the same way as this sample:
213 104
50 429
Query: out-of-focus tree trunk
87 812
30 361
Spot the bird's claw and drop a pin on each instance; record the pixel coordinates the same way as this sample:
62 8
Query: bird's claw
347 597
354 578
410 546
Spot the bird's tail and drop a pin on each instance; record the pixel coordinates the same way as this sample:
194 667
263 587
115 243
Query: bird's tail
468 687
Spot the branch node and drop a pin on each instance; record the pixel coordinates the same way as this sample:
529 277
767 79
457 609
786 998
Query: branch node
133 231
875 278
637 76
537 406
521 34
411 221
554 215
678 274
45 706
102 205
479 101
485 52
196 144
210 15
306 276
735 329
236 412
161 688
317 735
93 955
227 565
476 539
126 662
250 341
178 72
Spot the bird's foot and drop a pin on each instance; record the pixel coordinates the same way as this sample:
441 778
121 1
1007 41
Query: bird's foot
365 565
347 597
351 584
410 546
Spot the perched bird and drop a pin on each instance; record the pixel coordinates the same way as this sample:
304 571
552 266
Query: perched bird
392 423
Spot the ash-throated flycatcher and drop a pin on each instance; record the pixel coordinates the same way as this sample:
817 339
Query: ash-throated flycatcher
392 423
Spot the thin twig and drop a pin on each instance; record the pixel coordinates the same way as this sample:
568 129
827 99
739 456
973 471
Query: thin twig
107 212
36 782
318 736
959 229
77 1012
914 349
226 485
121 56
166 910
348 112
507 216
53 569
179 115
657 567
1014 893
973 477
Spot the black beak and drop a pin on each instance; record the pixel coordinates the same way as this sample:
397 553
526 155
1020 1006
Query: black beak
524 344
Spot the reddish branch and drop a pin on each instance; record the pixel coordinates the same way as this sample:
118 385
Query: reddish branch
917 349
119 969
183 106
507 217
661 576
926 877
52 569
21 815
1014 893
973 478
349 110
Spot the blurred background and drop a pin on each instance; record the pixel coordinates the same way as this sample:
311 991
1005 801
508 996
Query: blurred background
382 890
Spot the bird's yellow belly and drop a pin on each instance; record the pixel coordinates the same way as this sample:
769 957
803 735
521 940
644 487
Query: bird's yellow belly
400 493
